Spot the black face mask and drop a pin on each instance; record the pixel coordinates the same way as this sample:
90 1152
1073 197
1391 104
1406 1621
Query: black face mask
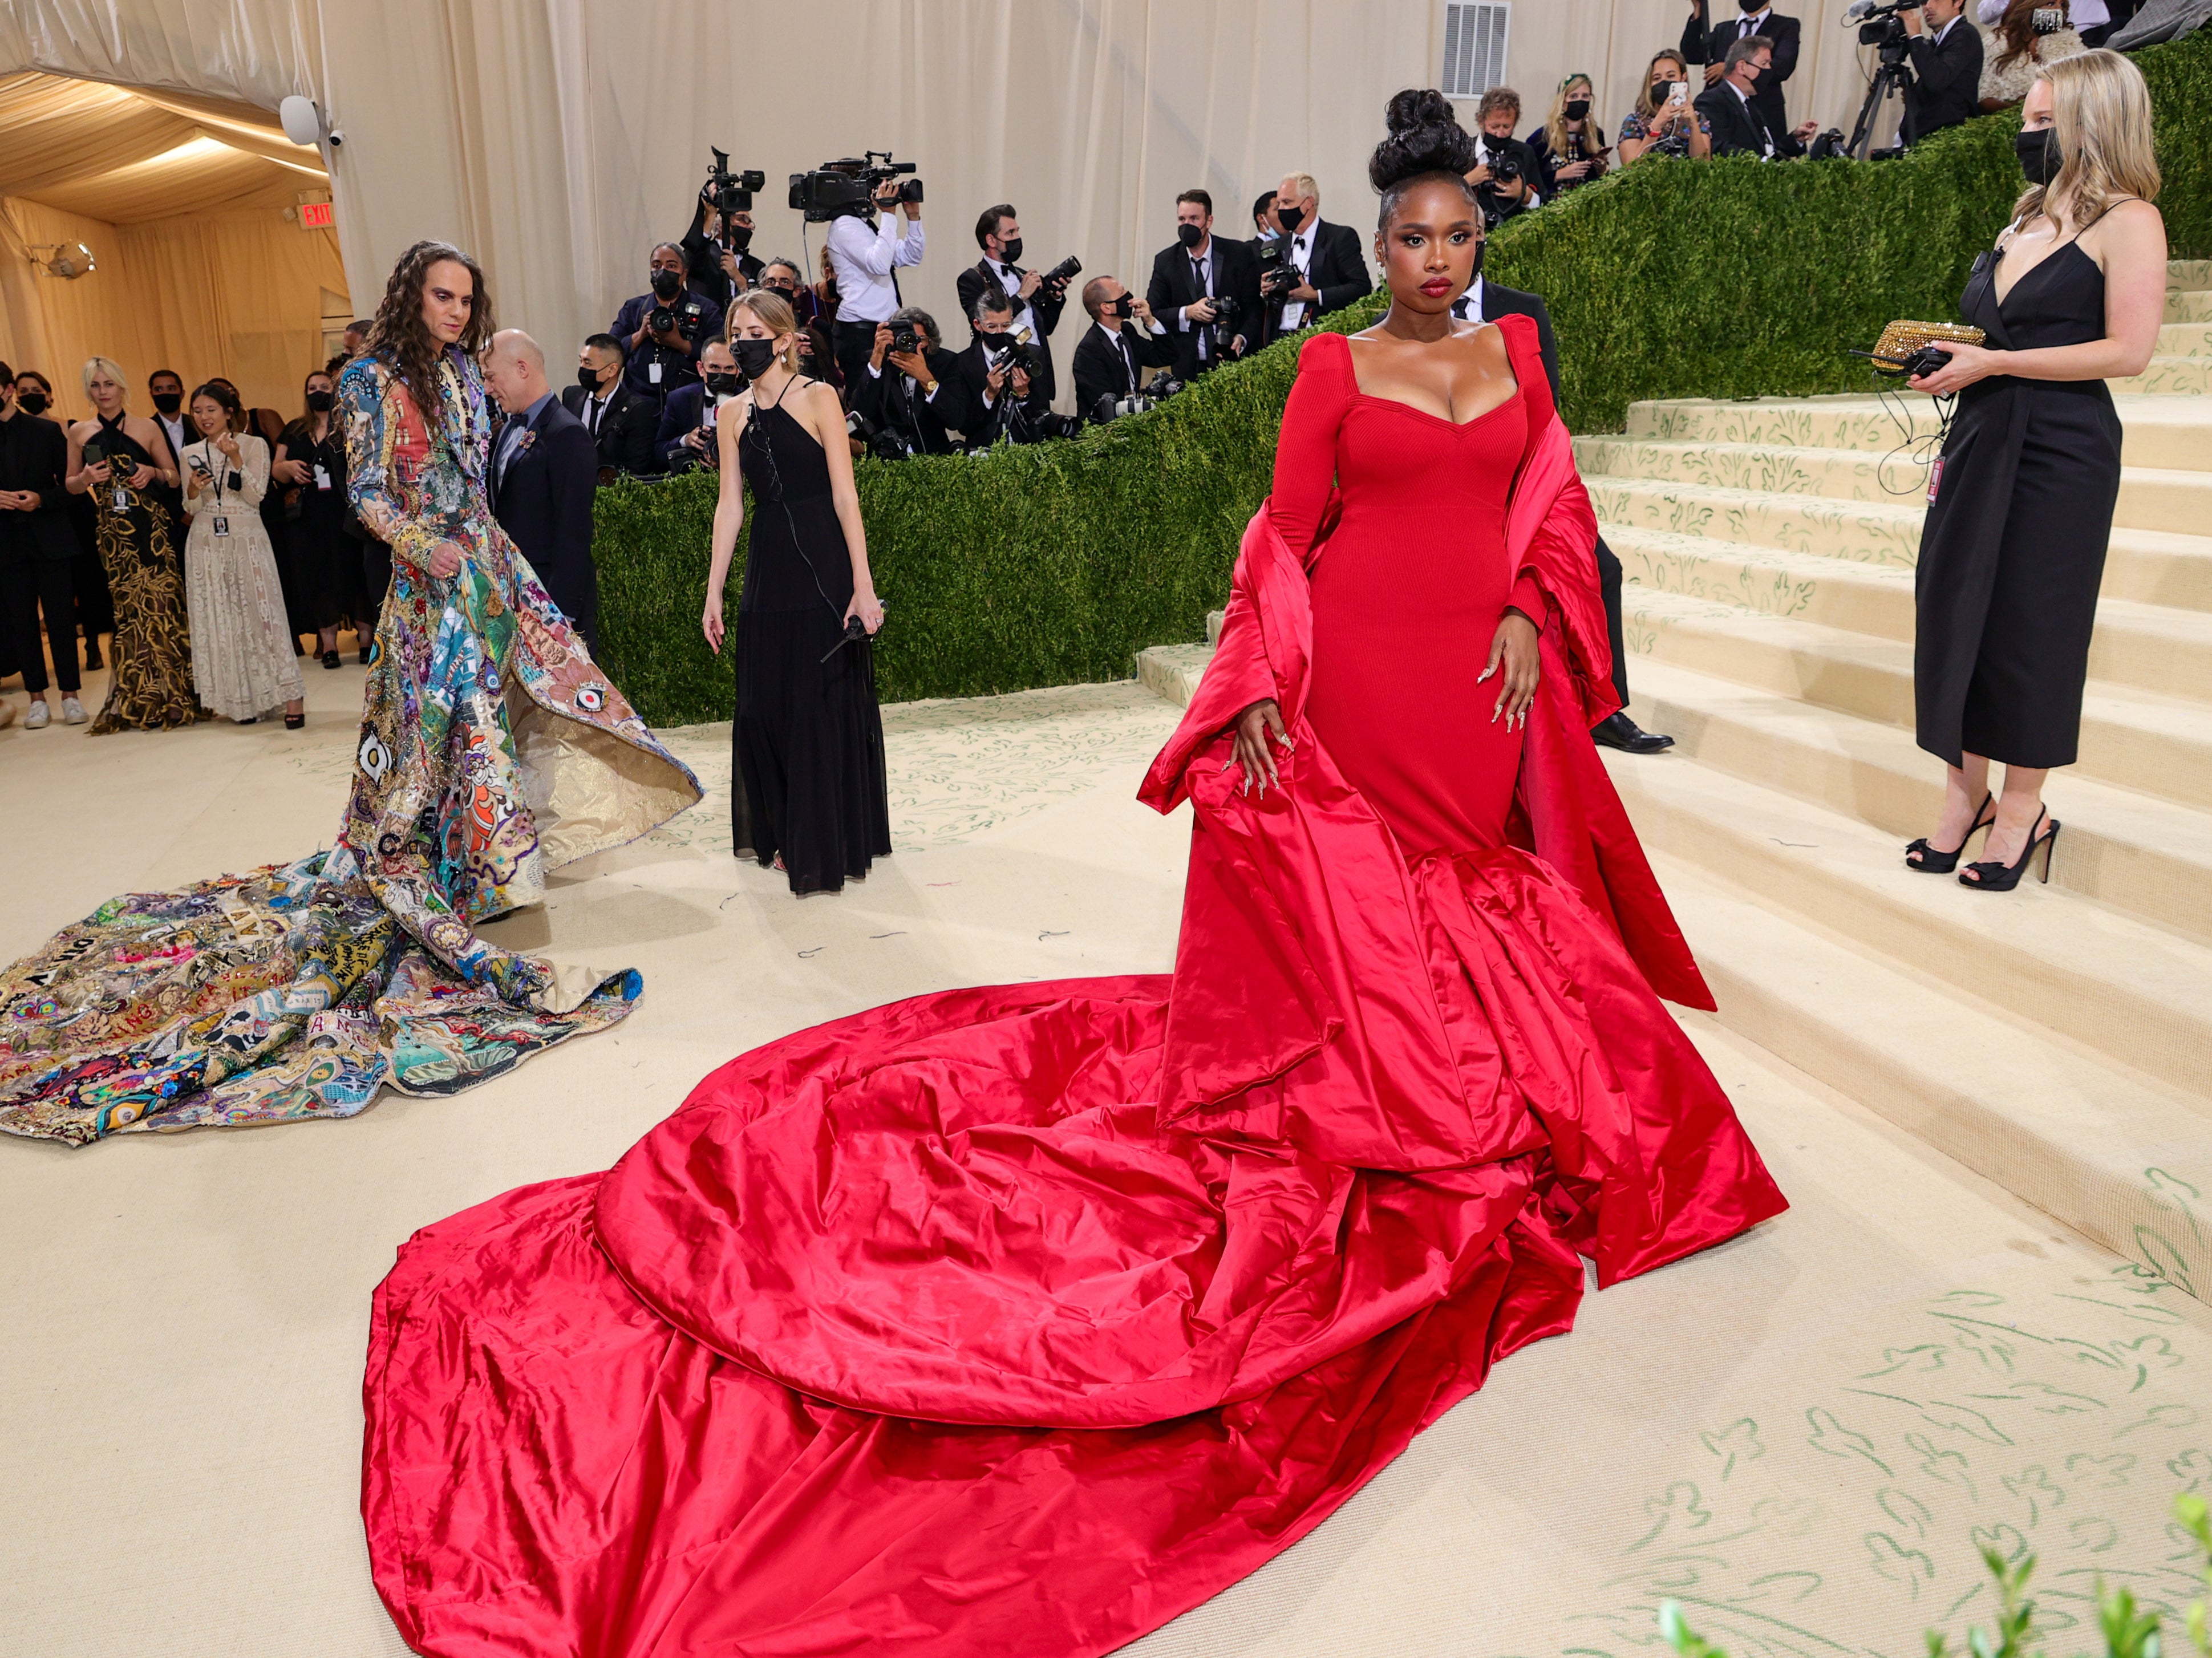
754 356
720 385
1010 253
1189 235
739 237
1750 6
1290 218
2040 157
587 377
31 403
1577 109
1125 306
321 402
169 401
667 285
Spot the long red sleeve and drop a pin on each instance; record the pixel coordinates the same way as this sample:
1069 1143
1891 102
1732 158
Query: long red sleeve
1305 452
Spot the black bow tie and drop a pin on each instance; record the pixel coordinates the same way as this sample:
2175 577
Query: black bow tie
1463 307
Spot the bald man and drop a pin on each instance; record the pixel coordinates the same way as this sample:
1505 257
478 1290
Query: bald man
545 469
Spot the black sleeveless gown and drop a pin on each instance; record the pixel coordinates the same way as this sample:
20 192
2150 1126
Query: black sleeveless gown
150 688
808 782
2013 552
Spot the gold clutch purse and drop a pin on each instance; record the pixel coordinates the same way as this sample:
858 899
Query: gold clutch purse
1903 349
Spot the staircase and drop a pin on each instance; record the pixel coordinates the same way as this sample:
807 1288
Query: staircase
2057 1039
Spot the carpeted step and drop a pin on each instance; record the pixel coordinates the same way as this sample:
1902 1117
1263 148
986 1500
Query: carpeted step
2184 305
2169 377
2138 993
1868 532
2187 274
1837 592
2130 735
2121 1158
2149 857
1173 671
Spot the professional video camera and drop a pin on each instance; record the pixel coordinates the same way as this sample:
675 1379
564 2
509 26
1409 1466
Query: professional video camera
730 192
849 186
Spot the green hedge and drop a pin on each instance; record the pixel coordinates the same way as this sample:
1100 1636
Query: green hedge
1057 563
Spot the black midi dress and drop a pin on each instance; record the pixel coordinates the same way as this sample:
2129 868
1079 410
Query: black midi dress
2013 552
807 783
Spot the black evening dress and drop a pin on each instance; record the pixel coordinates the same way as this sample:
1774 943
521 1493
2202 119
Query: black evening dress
2013 552
151 686
324 563
807 784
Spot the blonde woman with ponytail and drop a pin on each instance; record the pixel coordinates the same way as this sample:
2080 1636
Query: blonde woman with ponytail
2012 552
808 791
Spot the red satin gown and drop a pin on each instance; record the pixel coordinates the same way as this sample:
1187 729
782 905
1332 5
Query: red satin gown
1017 1320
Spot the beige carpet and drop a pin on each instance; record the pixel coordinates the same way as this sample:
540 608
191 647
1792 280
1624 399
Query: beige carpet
1803 1435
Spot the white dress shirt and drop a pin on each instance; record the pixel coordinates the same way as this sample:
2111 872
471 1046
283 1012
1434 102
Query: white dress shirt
864 258
1468 305
173 433
1024 313
1754 22
1205 263
1302 248
595 408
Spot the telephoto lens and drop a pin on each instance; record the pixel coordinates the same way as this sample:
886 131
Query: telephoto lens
1065 271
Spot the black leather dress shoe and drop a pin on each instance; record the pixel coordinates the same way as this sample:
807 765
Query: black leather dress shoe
1618 730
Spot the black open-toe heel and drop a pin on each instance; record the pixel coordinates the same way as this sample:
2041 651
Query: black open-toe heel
2003 877
1932 862
294 721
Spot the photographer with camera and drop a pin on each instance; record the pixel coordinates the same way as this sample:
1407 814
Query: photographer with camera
621 421
908 389
1731 108
716 248
1207 289
1000 374
1314 267
662 332
686 436
1947 69
1038 299
866 248
1504 179
1112 355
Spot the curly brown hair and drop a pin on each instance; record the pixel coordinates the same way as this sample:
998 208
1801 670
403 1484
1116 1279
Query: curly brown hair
397 333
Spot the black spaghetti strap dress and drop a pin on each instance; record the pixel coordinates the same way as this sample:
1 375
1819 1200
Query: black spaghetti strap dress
808 783
2013 552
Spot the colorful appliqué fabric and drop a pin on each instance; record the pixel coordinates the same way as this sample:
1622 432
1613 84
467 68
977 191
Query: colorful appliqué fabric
493 749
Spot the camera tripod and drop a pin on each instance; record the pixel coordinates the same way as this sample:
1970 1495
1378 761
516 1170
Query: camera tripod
1890 77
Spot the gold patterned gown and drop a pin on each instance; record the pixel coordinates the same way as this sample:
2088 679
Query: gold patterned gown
151 685
492 750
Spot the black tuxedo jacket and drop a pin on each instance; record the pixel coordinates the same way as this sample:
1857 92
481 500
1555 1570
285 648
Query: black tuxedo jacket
979 278
1704 46
684 411
35 455
1512 302
1100 369
626 428
927 423
1236 276
1338 272
1947 80
985 424
543 502
1738 126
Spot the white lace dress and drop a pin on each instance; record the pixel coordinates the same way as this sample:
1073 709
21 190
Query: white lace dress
243 664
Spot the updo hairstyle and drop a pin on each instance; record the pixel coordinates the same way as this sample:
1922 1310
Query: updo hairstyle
1426 141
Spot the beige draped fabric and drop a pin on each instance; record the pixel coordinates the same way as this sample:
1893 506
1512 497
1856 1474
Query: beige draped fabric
557 139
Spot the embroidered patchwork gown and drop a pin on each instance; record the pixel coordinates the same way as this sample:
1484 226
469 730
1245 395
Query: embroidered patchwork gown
492 750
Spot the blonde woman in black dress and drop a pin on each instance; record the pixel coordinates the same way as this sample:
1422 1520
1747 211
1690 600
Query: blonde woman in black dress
808 792
2013 549
118 458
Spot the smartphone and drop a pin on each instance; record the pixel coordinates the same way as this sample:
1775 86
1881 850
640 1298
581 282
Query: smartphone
1679 93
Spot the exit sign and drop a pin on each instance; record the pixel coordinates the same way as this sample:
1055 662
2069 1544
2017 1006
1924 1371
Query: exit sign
315 215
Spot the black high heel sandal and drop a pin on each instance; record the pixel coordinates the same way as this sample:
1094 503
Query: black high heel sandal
1932 862
2003 877
294 721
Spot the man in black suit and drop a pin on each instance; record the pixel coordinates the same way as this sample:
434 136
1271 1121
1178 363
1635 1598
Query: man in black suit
1489 301
1037 305
621 419
37 541
1114 352
1739 123
1947 69
1331 270
1004 399
1192 279
543 473
686 437
917 396
1708 46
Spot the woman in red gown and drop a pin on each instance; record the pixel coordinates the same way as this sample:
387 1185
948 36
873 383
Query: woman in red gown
1019 1320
